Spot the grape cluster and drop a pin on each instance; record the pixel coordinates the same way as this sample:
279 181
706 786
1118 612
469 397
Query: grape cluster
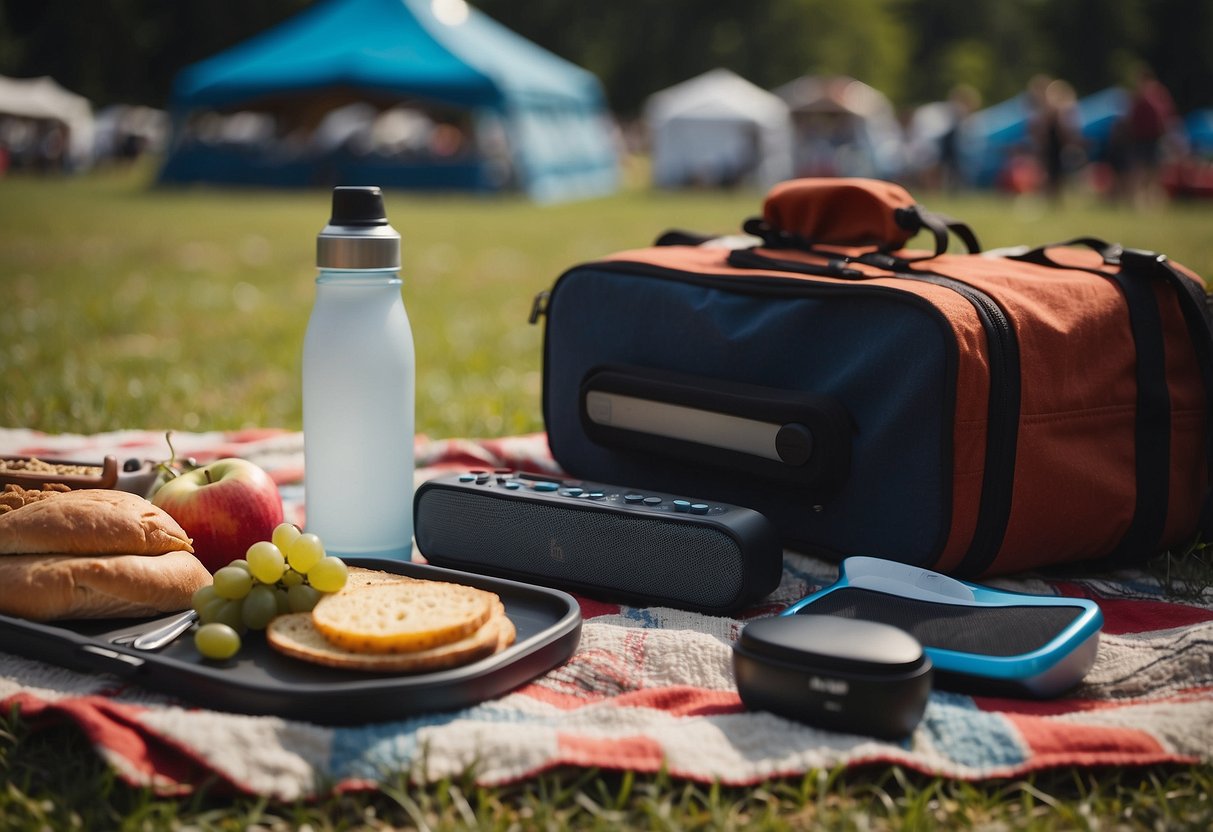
287 573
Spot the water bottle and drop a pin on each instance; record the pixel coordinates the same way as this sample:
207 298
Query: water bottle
358 386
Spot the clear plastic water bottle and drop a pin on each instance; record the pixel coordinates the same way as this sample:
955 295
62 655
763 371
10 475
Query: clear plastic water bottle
358 388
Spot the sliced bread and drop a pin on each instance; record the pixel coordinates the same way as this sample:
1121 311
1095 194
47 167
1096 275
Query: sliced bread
402 617
295 635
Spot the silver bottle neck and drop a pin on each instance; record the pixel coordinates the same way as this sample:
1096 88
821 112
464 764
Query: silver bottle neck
358 247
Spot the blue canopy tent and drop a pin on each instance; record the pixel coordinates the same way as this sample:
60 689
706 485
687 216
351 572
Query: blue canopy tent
1198 125
993 135
477 106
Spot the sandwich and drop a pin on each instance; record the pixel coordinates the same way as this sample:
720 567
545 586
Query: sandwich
92 553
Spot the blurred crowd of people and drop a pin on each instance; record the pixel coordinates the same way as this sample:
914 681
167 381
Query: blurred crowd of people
1143 157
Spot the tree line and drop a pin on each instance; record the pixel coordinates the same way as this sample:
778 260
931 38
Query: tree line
128 51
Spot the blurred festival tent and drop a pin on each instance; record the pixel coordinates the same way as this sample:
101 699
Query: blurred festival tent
1198 125
843 127
423 94
36 112
718 129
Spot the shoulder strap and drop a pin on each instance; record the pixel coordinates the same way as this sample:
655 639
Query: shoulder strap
1147 266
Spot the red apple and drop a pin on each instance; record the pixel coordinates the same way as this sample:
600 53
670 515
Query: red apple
225 507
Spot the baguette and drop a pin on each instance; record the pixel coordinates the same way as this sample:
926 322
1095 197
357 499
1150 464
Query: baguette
51 587
94 521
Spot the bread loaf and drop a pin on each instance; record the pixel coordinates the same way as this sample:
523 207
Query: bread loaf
51 587
93 553
94 521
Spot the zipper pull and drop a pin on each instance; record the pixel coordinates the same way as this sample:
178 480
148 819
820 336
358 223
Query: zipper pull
539 306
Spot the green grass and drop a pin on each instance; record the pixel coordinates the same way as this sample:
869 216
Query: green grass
124 306
132 307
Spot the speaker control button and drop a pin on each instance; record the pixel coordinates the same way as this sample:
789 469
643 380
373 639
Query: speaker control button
572 492
682 505
633 498
467 477
652 501
511 485
546 487
699 508
596 495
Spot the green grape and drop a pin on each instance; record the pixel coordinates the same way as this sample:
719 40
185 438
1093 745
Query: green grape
210 611
291 578
302 598
203 596
328 575
283 601
284 535
231 614
232 582
265 562
239 563
217 641
305 552
260 607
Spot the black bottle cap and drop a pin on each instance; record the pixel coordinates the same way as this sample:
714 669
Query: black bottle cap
358 205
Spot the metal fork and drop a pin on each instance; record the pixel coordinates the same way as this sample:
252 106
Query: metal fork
158 637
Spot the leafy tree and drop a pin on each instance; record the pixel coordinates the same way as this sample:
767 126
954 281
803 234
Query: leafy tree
914 50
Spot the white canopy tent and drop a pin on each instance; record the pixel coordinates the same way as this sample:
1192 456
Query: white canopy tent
718 129
43 100
843 127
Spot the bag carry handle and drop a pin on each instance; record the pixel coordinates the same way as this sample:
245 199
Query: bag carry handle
866 213
1137 264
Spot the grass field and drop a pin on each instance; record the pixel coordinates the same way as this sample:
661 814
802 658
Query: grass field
131 307
124 306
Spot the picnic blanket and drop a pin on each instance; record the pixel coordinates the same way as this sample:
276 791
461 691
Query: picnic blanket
647 689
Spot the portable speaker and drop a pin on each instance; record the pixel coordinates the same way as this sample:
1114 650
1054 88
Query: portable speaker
627 545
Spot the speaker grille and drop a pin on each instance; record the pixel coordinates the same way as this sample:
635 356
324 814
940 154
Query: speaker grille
639 557
988 631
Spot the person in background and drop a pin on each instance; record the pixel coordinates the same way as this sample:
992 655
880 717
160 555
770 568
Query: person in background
1055 132
963 101
1148 122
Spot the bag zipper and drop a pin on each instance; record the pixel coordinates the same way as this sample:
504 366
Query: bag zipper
1002 423
1002 411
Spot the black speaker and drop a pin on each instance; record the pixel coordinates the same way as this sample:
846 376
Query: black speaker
627 545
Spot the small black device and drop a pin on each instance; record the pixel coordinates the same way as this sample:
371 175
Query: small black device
981 639
630 545
841 674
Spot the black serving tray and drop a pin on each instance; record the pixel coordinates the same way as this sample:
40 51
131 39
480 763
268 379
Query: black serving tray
259 680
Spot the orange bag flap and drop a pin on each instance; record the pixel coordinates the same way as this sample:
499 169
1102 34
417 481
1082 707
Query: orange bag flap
844 212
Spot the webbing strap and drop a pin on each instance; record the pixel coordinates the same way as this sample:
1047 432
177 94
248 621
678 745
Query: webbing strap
1143 267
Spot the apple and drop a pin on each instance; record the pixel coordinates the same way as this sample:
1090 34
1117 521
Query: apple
224 506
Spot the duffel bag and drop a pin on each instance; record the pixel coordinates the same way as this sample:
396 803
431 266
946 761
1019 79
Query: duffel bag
973 413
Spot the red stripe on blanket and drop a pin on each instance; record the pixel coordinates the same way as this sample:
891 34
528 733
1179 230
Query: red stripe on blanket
1076 744
1124 615
636 753
682 701
116 728
1061 707
592 608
